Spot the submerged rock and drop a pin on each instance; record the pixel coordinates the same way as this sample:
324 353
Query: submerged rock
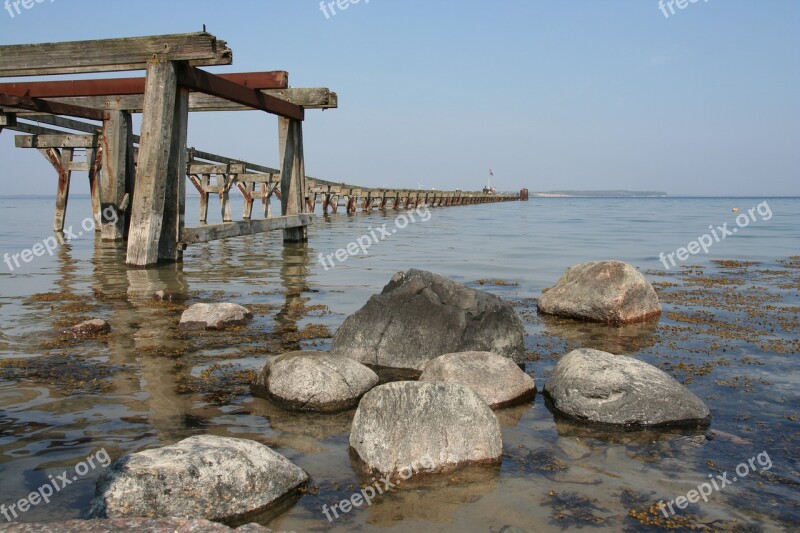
424 426
139 525
420 315
496 379
602 291
215 478
214 316
314 381
89 328
594 386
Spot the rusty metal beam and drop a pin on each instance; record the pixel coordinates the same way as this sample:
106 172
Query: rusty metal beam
54 108
129 86
198 80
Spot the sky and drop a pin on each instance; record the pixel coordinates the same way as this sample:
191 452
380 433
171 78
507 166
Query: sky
548 94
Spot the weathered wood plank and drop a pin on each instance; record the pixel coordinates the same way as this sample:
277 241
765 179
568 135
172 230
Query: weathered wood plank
117 150
55 108
108 55
231 168
56 141
147 215
205 82
214 232
8 119
293 194
308 98
175 194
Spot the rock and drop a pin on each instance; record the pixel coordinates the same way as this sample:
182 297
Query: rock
214 316
216 478
424 426
419 316
314 381
90 328
594 386
169 295
602 291
161 525
496 379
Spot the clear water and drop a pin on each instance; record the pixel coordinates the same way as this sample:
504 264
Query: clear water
554 475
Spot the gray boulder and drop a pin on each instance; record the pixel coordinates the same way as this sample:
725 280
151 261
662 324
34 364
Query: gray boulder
314 381
602 291
594 386
89 328
413 426
496 379
419 316
214 316
215 478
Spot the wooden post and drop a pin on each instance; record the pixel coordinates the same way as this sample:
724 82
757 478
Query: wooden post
94 160
156 200
293 177
61 161
223 184
117 163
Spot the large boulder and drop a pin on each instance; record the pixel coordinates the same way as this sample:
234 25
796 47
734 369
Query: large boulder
496 379
602 291
594 386
214 316
314 381
216 478
432 426
420 315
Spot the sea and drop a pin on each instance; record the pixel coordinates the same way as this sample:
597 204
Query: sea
726 270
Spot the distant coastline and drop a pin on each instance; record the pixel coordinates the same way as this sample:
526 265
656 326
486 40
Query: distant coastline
600 194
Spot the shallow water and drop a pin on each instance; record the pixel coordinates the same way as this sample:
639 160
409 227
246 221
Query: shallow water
729 330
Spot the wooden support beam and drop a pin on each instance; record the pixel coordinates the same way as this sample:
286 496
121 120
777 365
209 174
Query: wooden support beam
54 108
308 98
112 87
117 163
156 157
230 168
205 82
213 232
8 119
108 55
56 141
175 195
61 160
94 161
293 175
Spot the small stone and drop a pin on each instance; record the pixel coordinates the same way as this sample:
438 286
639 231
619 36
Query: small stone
90 328
214 316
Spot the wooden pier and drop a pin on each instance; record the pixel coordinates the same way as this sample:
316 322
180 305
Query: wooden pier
138 182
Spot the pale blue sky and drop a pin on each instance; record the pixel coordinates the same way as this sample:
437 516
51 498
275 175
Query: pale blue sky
550 94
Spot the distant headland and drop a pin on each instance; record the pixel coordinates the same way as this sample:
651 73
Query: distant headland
593 194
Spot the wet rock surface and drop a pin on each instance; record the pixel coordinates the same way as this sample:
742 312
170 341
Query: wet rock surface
431 426
216 478
214 316
314 381
496 379
420 315
594 386
602 291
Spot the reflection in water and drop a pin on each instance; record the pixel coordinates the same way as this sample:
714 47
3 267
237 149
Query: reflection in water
620 340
